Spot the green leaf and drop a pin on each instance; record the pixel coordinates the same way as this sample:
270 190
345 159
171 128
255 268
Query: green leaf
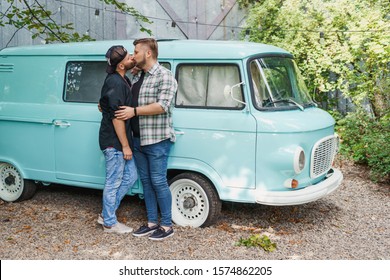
38 20
257 241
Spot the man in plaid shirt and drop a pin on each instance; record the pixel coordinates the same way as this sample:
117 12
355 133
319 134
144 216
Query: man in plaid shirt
153 93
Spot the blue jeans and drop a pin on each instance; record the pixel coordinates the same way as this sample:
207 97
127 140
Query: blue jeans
152 164
121 175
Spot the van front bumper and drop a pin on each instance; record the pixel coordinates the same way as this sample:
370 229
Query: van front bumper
301 196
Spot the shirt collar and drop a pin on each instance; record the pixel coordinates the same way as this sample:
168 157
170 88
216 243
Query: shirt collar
153 69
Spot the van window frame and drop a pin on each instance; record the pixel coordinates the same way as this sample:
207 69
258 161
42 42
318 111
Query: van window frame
164 62
66 78
252 90
240 76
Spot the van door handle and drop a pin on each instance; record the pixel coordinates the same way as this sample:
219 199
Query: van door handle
61 123
178 132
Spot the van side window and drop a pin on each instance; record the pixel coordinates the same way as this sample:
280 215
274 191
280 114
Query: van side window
84 80
204 86
165 64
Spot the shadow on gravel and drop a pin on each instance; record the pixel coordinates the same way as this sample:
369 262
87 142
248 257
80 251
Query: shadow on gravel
279 217
239 214
69 199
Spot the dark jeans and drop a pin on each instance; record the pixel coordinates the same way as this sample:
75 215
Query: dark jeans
152 164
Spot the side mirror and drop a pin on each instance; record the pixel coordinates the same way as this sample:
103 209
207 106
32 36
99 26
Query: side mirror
228 92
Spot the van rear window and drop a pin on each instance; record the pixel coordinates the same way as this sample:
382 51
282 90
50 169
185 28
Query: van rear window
84 80
205 86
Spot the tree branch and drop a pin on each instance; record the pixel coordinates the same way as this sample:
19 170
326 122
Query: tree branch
5 13
40 22
48 15
13 35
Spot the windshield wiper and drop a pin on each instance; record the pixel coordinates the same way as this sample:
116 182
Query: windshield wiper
270 102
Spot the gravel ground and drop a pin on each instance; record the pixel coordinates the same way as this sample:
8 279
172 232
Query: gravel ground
59 223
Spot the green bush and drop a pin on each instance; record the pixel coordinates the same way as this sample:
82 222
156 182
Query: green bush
366 141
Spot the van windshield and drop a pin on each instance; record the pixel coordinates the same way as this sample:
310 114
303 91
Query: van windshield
278 85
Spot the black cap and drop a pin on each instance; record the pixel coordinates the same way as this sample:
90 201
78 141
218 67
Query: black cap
114 56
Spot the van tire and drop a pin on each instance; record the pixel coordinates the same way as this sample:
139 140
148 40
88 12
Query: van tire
195 202
13 187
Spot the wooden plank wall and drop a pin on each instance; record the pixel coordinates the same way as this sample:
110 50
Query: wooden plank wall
195 19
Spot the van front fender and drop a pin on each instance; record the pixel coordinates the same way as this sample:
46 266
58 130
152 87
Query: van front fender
198 166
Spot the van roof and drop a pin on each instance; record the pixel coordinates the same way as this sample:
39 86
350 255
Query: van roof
189 49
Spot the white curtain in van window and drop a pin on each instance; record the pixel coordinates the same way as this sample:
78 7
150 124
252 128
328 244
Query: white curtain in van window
219 77
204 86
192 85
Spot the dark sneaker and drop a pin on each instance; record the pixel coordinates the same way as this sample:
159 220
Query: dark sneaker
161 234
145 230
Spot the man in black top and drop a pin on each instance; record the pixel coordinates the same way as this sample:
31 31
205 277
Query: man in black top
115 138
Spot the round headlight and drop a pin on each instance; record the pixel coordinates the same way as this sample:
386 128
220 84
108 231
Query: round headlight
299 160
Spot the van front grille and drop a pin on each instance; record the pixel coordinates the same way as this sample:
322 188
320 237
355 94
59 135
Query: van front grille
323 155
6 67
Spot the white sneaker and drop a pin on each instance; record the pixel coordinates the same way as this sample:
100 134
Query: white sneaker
100 220
118 228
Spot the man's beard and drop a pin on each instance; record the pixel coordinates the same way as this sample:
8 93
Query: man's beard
141 63
130 66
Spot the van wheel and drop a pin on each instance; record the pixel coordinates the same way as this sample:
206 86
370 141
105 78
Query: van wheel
195 202
12 185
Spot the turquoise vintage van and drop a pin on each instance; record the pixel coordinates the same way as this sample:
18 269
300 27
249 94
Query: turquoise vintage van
247 129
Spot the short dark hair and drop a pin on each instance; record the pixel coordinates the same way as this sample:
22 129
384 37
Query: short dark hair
151 43
114 56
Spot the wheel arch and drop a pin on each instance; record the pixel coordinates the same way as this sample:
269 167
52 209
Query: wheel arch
14 186
16 165
178 166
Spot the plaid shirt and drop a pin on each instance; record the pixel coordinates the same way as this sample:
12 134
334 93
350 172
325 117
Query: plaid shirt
159 86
